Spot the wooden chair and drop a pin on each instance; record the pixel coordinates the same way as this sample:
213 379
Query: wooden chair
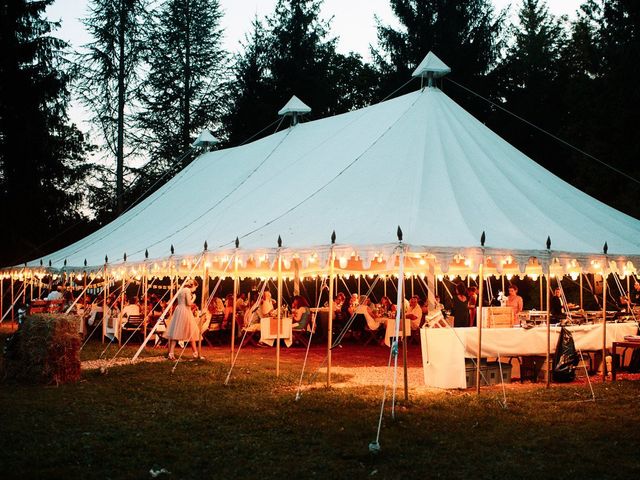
133 326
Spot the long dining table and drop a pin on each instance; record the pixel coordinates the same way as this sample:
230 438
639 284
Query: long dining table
444 349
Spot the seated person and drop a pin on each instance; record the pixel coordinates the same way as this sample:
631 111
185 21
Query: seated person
228 311
266 305
414 313
387 309
131 308
364 309
216 306
555 305
55 294
301 313
515 302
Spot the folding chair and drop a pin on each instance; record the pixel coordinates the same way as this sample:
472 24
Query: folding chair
134 325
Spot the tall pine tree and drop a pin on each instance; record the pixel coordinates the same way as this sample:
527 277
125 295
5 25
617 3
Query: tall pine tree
109 75
465 34
531 75
251 91
294 55
603 63
185 90
41 153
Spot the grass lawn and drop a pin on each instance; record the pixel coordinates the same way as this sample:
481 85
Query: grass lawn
141 417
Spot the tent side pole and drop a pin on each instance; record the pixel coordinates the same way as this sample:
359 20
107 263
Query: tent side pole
235 301
1 296
548 383
479 322
145 298
404 342
541 292
105 294
13 299
604 324
31 286
330 320
123 286
279 326
581 302
203 303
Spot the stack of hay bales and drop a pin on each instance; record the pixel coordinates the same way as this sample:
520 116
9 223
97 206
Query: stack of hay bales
45 350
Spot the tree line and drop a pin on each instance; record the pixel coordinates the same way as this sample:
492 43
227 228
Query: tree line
155 74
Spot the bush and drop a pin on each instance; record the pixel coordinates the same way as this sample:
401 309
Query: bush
44 350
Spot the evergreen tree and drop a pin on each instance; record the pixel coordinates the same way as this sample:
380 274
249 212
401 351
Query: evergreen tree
186 88
465 34
251 91
41 153
294 56
602 59
109 75
531 75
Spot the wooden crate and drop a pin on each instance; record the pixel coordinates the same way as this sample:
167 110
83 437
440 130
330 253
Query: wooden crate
497 317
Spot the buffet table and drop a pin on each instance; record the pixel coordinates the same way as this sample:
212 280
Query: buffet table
444 349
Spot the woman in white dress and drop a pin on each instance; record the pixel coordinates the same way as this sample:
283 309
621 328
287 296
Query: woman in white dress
183 326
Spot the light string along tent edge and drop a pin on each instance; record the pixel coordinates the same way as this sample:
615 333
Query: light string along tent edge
330 181
555 137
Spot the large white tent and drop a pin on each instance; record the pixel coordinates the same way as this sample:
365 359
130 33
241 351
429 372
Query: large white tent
419 161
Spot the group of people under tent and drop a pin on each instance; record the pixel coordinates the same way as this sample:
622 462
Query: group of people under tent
462 308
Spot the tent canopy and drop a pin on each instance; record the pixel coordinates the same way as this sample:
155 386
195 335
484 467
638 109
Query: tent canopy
418 161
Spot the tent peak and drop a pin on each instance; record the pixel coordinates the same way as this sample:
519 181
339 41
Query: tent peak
431 67
205 139
293 108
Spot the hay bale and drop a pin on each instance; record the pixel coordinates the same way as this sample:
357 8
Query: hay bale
44 350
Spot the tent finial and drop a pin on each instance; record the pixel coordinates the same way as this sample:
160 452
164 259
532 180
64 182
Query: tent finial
65 261
85 262
605 248
548 243
146 253
483 238
431 67
41 262
106 259
333 238
399 233
49 262
237 242
279 241
294 108
124 257
206 246
172 249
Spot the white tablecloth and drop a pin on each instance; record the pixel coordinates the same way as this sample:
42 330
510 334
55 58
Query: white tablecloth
390 331
269 332
444 349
